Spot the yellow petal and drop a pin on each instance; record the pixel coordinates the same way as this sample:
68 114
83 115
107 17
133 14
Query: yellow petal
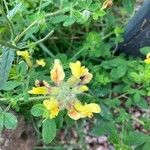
47 104
53 106
24 54
84 88
41 62
87 110
39 90
147 61
72 81
94 108
77 70
57 73
148 56
81 111
75 115
78 106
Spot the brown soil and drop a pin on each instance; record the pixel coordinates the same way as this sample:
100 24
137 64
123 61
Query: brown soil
23 138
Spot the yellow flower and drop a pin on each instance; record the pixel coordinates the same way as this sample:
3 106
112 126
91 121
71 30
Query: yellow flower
81 111
41 62
52 106
89 109
57 73
84 88
39 90
147 60
26 56
77 70
80 72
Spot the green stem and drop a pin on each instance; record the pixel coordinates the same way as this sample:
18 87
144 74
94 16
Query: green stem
107 35
78 53
3 43
31 99
137 120
43 47
35 22
5 3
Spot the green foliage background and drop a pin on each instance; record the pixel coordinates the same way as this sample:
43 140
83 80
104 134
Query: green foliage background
73 30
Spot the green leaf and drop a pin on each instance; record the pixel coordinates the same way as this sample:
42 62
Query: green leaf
104 127
142 103
5 65
69 21
48 130
22 68
145 50
14 11
1 122
10 85
1 110
37 110
146 146
128 5
58 19
129 102
135 138
59 120
10 121
123 115
137 97
105 113
117 73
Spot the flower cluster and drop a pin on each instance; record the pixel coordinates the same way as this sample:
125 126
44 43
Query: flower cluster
63 94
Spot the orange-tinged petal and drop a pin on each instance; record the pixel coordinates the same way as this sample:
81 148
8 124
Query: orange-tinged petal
74 114
39 90
86 78
57 73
